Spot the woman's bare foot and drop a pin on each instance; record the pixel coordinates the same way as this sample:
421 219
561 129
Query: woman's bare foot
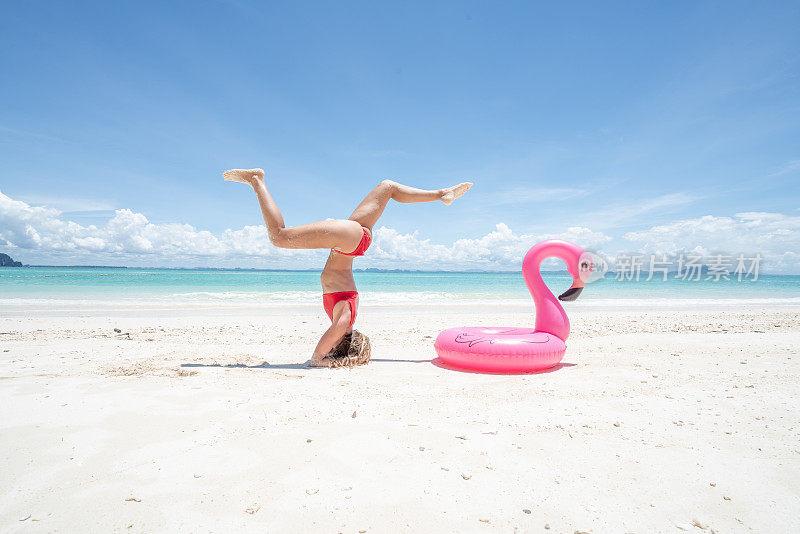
452 193
243 176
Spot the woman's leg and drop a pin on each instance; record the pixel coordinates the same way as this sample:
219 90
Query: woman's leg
369 211
341 234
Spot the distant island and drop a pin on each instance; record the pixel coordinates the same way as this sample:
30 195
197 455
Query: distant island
8 261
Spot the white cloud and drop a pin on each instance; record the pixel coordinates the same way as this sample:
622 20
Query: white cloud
36 234
774 235
619 214
787 168
129 238
524 195
501 248
69 204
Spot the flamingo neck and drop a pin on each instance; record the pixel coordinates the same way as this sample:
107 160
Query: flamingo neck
550 316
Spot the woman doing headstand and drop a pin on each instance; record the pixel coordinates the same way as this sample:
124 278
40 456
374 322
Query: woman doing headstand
345 238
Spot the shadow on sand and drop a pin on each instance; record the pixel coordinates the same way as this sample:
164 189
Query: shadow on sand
262 365
436 361
304 365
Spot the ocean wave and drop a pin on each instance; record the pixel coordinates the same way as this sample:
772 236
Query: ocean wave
383 299
244 296
646 302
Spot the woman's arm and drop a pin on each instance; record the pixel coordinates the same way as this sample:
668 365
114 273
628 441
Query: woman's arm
340 326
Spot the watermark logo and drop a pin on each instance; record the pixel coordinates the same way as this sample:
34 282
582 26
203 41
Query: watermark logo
585 267
596 269
686 267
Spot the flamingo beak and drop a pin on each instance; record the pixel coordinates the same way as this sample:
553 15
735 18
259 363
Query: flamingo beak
570 294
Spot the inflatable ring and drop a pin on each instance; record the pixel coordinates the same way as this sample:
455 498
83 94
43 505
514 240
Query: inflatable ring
510 349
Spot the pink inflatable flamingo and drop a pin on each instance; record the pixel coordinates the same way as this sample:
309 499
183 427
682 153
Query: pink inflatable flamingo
523 349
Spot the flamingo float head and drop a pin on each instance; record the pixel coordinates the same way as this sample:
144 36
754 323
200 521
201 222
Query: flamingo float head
580 266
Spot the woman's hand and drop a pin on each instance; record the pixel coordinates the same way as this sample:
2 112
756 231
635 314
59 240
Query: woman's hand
320 362
339 327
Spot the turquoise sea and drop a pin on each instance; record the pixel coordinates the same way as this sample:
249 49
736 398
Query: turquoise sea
42 285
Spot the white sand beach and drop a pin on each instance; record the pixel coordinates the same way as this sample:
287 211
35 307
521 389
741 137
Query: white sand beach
205 420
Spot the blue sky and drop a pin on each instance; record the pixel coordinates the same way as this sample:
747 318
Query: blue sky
616 118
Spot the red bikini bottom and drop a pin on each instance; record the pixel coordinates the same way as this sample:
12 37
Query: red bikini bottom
362 247
329 300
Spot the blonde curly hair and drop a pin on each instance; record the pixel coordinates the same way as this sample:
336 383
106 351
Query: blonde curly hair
352 350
